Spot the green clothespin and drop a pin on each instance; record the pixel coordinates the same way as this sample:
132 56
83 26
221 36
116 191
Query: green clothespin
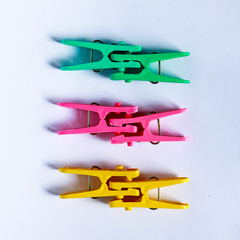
146 74
106 50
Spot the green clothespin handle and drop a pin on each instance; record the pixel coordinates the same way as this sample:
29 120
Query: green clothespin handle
146 60
106 50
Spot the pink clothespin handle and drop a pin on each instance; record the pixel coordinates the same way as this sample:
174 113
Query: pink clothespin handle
102 126
147 136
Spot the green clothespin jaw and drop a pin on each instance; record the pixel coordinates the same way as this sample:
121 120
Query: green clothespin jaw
146 60
106 50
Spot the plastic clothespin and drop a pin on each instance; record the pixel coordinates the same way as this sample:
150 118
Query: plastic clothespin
104 175
145 135
119 183
103 111
143 201
146 60
106 50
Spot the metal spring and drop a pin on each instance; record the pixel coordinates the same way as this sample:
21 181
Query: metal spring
158 191
91 56
88 114
89 180
159 69
159 129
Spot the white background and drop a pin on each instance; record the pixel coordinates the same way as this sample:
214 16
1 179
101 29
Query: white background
31 151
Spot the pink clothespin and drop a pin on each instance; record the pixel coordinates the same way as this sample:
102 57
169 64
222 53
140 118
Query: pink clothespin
145 135
102 126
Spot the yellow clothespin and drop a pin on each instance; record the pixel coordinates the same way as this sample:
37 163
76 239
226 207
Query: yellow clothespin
104 175
143 201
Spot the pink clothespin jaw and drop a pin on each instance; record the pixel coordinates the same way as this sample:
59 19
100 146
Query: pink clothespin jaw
146 135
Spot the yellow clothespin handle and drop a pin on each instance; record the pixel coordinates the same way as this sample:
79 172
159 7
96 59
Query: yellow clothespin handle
103 175
144 201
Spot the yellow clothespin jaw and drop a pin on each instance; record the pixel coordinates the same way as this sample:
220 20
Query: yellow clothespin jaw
143 201
104 175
